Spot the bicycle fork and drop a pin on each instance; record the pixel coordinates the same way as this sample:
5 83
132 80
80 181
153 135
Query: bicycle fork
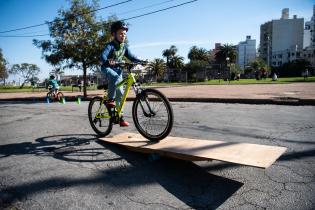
145 106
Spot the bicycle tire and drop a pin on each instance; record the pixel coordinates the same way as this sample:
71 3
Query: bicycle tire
105 125
50 96
59 96
146 124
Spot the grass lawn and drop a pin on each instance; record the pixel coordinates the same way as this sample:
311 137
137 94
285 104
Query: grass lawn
13 89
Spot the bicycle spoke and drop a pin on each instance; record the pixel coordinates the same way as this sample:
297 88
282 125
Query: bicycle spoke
98 113
153 116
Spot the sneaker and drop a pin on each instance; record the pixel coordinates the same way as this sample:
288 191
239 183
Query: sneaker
111 104
123 123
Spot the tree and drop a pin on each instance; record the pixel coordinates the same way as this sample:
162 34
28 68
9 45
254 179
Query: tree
199 60
193 67
57 72
198 54
157 67
3 68
226 51
27 71
256 66
169 53
176 62
292 69
77 38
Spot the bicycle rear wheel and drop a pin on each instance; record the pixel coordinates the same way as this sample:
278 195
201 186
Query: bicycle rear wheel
152 114
99 117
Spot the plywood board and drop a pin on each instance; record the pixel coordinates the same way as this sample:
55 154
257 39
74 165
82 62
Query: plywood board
195 149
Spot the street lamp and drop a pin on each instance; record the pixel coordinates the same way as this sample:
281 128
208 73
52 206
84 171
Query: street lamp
227 62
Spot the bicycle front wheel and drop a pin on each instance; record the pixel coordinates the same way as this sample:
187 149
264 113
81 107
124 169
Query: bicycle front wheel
59 96
50 96
152 114
99 117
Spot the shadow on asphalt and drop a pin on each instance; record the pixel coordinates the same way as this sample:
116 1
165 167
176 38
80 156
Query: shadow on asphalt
16 101
185 180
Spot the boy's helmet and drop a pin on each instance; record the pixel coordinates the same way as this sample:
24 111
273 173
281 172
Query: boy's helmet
118 25
52 77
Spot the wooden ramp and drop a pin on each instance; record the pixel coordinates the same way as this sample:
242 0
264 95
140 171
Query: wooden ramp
256 155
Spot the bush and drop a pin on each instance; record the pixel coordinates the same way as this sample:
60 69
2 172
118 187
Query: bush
291 69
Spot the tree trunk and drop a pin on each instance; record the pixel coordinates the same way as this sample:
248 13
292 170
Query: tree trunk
84 80
22 85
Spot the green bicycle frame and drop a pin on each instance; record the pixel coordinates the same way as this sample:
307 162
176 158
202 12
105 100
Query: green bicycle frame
128 81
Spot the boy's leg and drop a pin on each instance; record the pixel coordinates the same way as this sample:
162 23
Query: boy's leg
112 78
119 91
119 94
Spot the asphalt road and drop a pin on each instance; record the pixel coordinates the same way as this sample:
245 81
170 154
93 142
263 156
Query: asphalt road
50 159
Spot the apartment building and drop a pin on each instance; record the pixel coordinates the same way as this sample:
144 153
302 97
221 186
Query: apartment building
281 40
309 40
246 52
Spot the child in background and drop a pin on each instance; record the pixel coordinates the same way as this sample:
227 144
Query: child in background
53 84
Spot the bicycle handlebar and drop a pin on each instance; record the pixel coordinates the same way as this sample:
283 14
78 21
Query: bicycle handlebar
130 64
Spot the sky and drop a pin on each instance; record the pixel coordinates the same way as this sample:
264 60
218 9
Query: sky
201 23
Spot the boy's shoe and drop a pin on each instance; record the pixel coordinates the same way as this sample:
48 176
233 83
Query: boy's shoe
123 123
111 104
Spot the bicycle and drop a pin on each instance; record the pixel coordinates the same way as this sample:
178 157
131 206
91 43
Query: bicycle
151 111
54 95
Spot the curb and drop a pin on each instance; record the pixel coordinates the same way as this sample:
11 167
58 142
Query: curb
278 101
292 102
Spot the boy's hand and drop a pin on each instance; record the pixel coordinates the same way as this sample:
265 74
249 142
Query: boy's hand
111 62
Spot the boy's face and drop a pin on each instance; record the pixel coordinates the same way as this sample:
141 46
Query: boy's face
121 35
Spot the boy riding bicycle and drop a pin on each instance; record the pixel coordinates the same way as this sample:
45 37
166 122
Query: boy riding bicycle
114 52
53 84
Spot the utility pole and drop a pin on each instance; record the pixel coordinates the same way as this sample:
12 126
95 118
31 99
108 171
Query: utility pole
268 50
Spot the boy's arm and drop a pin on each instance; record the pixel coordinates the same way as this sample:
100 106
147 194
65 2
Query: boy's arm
131 56
105 54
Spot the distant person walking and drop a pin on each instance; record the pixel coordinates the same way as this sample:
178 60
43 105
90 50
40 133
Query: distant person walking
305 74
274 76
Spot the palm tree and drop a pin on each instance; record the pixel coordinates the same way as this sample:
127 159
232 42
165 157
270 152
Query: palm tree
157 67
196 53
226 51
169 53
177 62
